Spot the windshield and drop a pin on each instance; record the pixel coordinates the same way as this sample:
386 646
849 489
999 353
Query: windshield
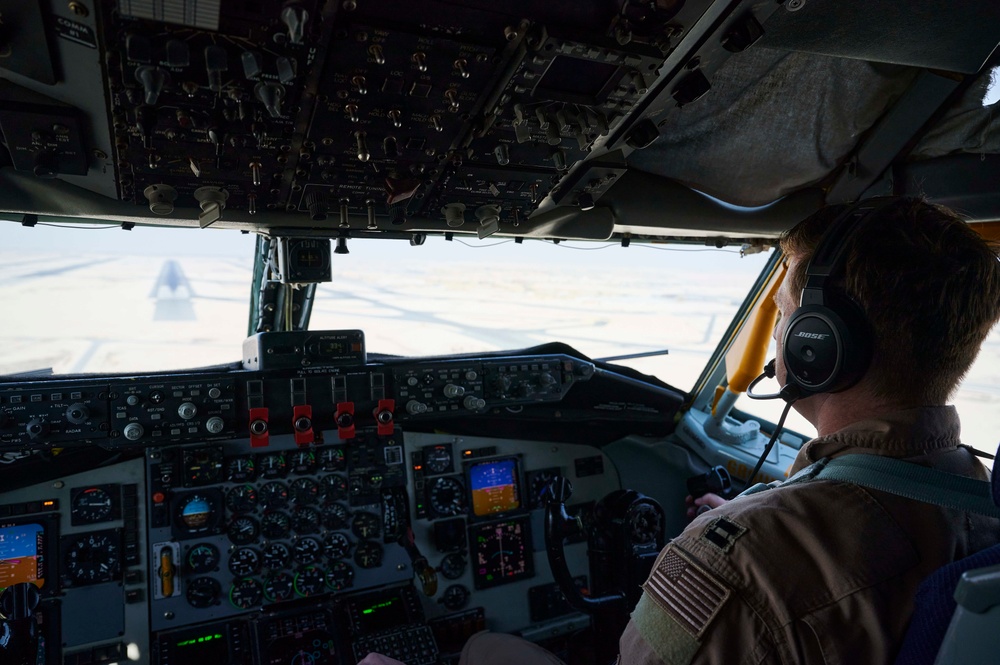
106 300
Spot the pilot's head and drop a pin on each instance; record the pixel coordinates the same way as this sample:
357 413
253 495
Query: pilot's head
928 285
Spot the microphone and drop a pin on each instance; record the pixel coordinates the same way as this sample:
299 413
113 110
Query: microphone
788 392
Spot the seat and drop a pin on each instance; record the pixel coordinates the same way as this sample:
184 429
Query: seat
956 616
956 612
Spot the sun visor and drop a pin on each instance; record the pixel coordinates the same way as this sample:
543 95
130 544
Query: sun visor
774 122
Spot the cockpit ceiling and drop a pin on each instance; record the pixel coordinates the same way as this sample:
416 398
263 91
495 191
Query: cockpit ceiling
748 103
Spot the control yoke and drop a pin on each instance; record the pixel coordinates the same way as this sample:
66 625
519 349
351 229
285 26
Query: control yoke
559 525
18 627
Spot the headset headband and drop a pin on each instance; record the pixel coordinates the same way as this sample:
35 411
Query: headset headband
827 262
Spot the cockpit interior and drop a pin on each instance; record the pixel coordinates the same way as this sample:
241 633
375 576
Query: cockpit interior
315 494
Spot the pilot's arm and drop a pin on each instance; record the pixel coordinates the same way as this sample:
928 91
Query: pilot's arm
690 614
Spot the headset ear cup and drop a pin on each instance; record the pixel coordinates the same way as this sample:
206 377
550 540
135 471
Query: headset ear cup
826 348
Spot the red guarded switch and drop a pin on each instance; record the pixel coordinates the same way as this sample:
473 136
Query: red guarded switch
383 416
302 423
259 437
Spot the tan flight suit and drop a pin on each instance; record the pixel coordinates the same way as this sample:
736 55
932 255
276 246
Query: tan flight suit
815 572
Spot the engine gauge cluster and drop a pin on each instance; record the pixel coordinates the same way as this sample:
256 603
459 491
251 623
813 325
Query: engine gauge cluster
259 528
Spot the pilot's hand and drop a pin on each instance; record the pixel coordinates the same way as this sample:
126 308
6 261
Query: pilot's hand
705 502
379 659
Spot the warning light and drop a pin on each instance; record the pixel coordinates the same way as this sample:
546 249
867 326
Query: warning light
48 503
466 453
418 467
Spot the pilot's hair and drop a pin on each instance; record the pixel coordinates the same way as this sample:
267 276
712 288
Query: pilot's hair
929 285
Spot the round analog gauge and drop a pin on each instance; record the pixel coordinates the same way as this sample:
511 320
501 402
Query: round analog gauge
272 466
195 513
276 556
203 592
305 520
242 499
202 465
334 487
340 576
366 525
274 495
93 558
538 482
243 530
92 505
305 491
332 459
240 469
303 461
336 546
244 561
453 566
455 597
275 525
446 496
245 593
306 550
644 523
309 581
202 558
335 516
437 459
278 587
368 554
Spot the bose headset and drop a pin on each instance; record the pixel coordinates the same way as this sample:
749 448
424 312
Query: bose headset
827 343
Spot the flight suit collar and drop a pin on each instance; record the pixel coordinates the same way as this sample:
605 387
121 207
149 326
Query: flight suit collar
904 433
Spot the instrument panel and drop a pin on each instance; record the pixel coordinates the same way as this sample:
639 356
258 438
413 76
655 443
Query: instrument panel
139 412
328 532
214 566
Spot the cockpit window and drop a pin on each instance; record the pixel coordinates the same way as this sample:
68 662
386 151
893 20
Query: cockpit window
100 299
164 299
605 300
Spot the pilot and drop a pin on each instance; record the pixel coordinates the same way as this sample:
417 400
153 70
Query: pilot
825 571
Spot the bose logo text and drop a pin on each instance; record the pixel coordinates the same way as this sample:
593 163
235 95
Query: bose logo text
811 335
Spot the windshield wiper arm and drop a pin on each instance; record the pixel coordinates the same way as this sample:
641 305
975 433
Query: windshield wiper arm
630 356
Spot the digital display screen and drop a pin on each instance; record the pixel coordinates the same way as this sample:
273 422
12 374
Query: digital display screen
380 615
199 645
22 554
494 487
575 78
501 552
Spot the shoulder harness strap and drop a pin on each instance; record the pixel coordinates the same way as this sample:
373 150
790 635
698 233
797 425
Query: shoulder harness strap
898 477
912 481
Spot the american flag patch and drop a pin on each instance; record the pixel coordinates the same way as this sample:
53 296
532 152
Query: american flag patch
685 591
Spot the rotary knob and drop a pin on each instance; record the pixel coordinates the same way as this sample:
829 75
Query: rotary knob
415 408
187 410
473 403
215 425
36 428
77 413
451 390
133 431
